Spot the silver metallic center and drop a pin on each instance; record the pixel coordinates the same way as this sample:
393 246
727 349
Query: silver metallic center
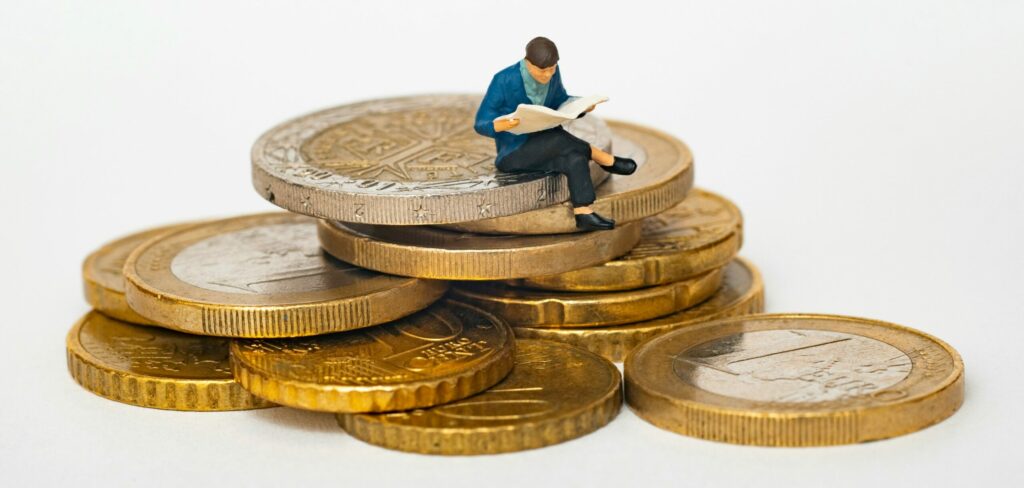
270 259
792 366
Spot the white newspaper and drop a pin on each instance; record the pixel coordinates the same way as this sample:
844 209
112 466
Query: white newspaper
534 118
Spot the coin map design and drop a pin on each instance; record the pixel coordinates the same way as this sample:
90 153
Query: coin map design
154 367
262 275
402 161
794 380
446 352
556 392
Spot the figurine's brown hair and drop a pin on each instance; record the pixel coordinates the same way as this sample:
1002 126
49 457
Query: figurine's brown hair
541 52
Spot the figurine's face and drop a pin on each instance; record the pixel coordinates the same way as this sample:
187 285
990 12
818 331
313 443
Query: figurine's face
542 75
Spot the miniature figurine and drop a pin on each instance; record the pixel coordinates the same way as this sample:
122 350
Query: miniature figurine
536 80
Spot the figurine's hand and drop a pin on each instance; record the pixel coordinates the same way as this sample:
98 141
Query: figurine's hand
591 109
502 125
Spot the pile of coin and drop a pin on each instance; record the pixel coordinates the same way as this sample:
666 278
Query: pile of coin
438 306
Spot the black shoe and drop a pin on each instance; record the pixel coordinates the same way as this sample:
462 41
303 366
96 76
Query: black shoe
593 221
621 166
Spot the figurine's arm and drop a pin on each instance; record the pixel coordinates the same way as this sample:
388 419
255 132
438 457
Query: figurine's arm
489 110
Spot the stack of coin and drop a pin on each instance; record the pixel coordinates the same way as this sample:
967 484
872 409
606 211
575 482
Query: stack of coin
353 313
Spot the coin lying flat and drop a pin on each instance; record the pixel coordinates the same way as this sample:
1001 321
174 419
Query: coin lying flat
794 380
442 354
262 276
701 233
428 252
402 161
103 277
664 175
555 393
154 367
537 308
741 293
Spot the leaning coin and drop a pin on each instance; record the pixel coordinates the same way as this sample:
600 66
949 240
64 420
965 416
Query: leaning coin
428 252
543 309
262 276
154 367
442 354
664 175
102 273
402 161
741 293
794 380
701 233
555 393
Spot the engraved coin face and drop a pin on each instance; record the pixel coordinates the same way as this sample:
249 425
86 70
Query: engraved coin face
103 274
793 379
554 388
262 276
400 161
154 367
741 293
699 234
380 368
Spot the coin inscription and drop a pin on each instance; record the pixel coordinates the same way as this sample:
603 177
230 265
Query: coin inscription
269 259
792 366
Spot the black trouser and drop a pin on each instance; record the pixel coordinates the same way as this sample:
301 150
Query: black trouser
559 151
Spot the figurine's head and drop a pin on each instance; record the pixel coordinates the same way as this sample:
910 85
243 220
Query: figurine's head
541 59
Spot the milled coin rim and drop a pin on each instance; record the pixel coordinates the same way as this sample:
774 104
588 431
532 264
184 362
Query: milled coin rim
381 398
319 314
180 394
650 270
296 195
615 342
665 191
563 310
797 425
464 441
562 254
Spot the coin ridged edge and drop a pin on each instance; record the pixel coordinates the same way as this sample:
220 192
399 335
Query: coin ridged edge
567 311
155 392
111 302
615 345
631 206
455 441
436 263
802 429
373 399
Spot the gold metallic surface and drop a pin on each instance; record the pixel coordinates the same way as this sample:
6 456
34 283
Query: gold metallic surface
102 273
442 354
794 380
662 179
703 232
428 252
555 393
154 367
543 309
402 161
262 275
741 293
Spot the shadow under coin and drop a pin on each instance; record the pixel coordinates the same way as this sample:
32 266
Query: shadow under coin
292 418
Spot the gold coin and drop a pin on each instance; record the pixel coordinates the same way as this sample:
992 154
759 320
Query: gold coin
103 275
403 161
262 276
154 367
794 380
442 354
542 309
701 233
555 393
428 252
664 175
741 293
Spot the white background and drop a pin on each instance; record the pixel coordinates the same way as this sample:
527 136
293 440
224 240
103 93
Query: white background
875 148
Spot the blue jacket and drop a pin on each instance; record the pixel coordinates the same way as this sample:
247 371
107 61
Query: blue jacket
504 94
